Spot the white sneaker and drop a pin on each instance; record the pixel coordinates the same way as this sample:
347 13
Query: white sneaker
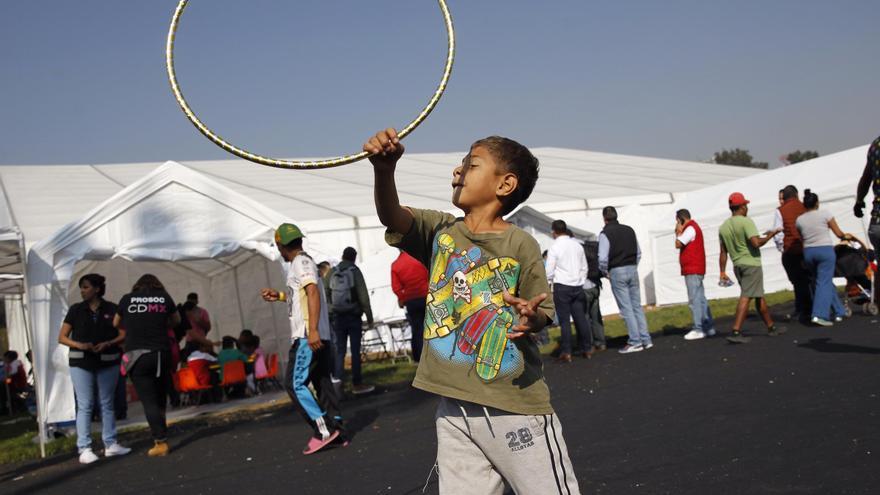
115 450
647 346
694 335
87 456
819 321
838 319
711 332
628 349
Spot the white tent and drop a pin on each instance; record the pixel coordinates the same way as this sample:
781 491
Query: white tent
336 205
190 231
833 177
227 209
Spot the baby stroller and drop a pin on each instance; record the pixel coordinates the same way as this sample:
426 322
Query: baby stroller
854 263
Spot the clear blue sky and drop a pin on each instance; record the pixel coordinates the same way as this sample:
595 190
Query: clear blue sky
84 81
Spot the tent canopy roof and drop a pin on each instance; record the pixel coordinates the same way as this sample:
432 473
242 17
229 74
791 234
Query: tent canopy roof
43 198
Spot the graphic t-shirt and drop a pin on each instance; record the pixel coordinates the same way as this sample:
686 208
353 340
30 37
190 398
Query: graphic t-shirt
735 233
301 272
467 354
145 319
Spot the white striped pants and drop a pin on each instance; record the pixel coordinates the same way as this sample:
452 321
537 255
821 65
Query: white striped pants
479 448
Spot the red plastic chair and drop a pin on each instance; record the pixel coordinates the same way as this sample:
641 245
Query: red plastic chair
233 373
188 385
271 377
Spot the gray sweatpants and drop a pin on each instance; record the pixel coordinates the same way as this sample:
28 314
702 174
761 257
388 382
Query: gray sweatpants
479 448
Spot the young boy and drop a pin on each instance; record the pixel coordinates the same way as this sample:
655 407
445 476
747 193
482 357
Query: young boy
311 354
487 296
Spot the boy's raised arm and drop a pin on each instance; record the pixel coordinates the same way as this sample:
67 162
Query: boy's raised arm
386 149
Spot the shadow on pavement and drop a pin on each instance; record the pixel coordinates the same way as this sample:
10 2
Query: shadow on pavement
825 345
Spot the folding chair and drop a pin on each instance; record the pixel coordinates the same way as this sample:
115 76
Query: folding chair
372 342
400 344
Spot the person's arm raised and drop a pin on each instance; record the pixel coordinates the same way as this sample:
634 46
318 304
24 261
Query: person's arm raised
385 150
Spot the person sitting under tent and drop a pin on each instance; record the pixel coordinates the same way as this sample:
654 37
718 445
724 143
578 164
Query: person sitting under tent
16 381
228 354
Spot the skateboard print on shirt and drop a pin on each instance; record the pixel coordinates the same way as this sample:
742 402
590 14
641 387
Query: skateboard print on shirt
467 321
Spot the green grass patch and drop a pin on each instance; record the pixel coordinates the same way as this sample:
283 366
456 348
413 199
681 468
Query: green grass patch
17 435
676 317
387 373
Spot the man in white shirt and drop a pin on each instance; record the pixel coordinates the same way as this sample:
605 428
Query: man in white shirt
310 359
567 273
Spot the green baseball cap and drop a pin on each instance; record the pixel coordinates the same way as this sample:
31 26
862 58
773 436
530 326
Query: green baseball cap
287 233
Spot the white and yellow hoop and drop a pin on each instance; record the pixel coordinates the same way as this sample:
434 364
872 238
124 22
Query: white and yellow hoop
274 162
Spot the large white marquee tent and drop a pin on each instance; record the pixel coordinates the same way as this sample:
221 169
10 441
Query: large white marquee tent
206 226
833 177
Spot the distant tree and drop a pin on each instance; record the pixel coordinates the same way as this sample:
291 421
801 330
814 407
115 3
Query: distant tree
737 157
798 156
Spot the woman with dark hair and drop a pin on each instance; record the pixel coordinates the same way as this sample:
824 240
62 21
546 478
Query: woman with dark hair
820 258
146 314
94 360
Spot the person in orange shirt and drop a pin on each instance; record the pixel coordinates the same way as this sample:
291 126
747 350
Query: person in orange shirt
409 281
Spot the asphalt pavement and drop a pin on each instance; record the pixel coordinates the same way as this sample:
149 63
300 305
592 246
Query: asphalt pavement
794 414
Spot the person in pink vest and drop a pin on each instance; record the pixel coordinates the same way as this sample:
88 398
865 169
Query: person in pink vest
692 257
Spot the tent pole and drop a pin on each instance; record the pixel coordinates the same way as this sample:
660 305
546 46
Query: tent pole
41 423
238 296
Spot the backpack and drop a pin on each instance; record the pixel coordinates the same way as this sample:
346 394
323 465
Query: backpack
591 250
342 290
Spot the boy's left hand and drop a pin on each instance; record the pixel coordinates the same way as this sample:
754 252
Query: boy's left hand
530 319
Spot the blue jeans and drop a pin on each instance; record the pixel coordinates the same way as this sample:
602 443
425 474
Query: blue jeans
625 287
820 261
84 382
697 302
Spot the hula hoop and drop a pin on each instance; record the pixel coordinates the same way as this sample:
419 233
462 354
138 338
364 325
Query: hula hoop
274 162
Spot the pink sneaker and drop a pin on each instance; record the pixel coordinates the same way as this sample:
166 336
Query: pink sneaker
315 444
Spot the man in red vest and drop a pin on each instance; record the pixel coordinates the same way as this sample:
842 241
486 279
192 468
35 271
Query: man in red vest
792 247
692 257
409 281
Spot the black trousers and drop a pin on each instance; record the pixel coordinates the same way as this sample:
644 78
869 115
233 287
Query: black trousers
571 303
151 378
305 366
415 314
800 279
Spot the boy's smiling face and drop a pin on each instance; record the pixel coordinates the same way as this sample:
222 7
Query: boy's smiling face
479 180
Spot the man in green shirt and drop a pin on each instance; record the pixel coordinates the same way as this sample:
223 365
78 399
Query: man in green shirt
741 241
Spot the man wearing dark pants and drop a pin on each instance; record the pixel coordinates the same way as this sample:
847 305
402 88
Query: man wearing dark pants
310 357
409 281
567 271
592 290
349 299
791 245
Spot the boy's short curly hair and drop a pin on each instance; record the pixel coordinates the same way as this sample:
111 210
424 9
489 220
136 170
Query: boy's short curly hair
516 159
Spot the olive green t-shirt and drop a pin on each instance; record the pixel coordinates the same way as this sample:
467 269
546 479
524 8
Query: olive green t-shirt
735 233
467 354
